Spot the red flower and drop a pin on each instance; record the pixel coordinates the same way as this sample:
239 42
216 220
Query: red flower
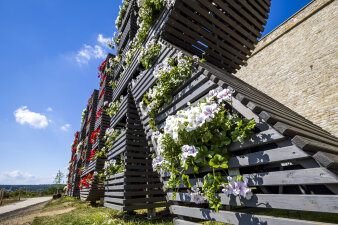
101 68
85 182
92 154
90 100
102 93
102 80
94 135
99 113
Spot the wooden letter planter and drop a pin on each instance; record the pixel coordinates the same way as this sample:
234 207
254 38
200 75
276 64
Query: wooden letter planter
138 187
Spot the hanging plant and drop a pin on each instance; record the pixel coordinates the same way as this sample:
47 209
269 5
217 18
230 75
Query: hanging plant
109 138
149 53
83 116
102 79
113 107
86 181
92 156
170 74
198 137
122 12
102 93
112 167
94 135
101 68
99 113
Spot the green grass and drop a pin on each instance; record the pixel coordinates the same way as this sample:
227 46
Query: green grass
86 214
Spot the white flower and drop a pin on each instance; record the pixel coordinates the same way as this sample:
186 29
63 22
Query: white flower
225 95
237 188
196 58
196 195
188 151
158 163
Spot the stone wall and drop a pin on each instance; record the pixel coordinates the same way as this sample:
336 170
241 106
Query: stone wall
296 64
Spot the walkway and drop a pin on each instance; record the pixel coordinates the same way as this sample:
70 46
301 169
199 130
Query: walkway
22 205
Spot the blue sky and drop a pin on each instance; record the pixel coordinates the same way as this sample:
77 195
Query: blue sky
49 54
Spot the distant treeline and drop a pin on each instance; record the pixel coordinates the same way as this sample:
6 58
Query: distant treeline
34 188
30 190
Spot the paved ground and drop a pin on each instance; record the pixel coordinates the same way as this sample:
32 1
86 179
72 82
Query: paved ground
6 209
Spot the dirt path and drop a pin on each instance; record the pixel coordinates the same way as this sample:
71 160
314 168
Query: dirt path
22 205
27 215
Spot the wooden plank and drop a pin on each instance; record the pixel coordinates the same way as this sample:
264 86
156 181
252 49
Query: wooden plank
262 138
291 131
273 119
183 222
314 203
307 144
235 217
286 177
327 160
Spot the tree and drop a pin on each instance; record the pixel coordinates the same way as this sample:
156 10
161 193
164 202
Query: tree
58 179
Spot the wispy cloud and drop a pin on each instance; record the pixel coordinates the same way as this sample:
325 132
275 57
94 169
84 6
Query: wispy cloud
19 177
49 109
102 40
24 116
96 51
65 127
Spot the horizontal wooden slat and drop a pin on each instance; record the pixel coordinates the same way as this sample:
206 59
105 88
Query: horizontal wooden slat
315 203
235 217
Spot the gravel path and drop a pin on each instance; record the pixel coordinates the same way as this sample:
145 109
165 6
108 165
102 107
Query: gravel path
8 209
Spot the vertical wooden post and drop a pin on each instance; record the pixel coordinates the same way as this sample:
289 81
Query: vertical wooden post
2 195
19 194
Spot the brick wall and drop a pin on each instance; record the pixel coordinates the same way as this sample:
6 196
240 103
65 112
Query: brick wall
296 64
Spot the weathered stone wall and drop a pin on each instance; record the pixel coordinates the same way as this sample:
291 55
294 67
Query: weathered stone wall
296 64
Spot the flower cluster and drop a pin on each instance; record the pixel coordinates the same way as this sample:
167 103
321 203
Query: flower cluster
122 12
158 163
109 139
101 68
113 107
149 53
79 147
99 113
83 116
188 151
171 74
237 187
198 137
102 79
102 93
90 100
94 135
112 167
196 195
92 155
86 181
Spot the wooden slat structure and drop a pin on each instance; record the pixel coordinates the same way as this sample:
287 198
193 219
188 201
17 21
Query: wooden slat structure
224 30
138 187
72 176
278 160
290 162
87 146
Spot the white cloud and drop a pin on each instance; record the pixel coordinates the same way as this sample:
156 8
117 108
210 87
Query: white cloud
49 109
96 51
102 40
65 127
18 177
23 115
